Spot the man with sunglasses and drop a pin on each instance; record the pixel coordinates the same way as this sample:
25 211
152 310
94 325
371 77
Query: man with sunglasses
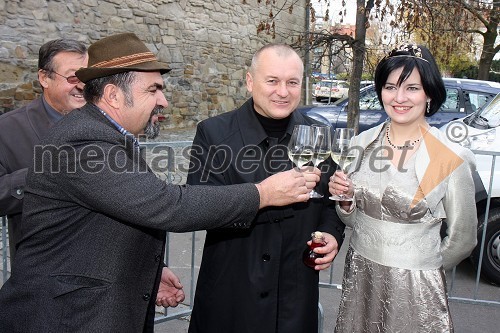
22 129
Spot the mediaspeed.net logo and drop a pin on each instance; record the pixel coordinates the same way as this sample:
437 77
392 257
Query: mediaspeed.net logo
175 166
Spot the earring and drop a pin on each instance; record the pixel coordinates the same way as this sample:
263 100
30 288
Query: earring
428 107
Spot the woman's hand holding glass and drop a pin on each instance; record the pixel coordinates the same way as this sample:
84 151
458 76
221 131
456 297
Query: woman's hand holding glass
341 186
343 156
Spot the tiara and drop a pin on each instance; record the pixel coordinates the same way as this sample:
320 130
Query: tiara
407 50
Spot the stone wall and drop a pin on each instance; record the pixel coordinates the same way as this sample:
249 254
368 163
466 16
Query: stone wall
208 44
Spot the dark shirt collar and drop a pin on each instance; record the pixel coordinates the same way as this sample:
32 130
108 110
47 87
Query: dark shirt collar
274 128
52 113
254 133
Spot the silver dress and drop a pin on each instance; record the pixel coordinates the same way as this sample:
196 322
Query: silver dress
393 280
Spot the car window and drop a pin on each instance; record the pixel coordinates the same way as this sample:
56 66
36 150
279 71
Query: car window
476 100
451 104
369 101
492 113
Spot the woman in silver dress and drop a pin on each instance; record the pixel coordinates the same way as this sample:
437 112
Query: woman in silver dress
406 179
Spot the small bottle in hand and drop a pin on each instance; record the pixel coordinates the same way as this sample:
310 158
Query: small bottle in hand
317 240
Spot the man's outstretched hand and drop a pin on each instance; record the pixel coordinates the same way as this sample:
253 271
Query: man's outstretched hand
288 187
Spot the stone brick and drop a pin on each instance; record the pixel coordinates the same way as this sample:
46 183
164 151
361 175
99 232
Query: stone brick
7 93
26 86
115 23
127 13
107 9
90 3
147 7
151 21
169 40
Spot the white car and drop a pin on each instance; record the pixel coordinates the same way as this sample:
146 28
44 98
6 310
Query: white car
480 131
331 90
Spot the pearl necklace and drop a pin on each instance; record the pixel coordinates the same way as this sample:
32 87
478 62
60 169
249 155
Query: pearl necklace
409 144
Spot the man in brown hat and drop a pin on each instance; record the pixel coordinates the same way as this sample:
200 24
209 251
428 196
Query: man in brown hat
90 258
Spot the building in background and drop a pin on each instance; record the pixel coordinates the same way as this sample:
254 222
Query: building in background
330 60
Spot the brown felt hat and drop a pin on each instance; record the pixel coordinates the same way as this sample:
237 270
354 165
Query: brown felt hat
117 54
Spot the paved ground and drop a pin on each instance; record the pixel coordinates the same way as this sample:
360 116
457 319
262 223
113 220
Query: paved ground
468 318
177 134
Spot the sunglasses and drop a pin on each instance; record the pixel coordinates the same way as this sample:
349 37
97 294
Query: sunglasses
71 79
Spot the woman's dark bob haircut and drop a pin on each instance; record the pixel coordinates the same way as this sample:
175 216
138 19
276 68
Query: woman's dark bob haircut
411 56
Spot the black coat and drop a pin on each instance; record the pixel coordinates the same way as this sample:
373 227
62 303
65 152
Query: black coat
93 231
20 131
254 280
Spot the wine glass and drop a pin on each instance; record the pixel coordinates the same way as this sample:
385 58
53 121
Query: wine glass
300 150
322 148
341 154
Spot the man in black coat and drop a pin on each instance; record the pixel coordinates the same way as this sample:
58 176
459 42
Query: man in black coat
22 129
254 280
90 258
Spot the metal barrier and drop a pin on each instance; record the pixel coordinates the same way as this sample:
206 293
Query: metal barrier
474 298
173 169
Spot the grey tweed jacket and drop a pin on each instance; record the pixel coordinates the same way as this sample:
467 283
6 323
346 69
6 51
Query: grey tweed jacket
95 216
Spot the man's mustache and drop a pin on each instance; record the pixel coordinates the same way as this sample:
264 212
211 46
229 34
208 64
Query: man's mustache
157 109
152 130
